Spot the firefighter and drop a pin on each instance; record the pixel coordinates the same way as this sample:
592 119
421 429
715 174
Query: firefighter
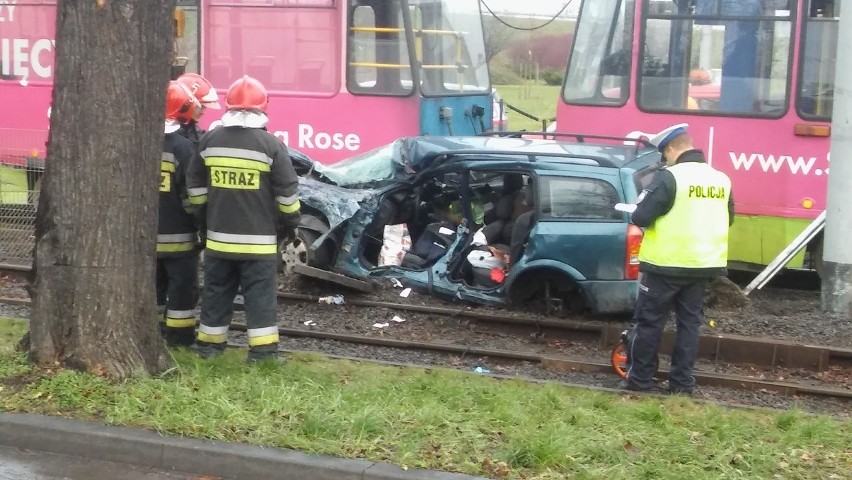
206 95
686 211
177 255
245 189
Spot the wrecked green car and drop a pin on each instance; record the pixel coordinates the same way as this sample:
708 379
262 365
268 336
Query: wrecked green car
487 219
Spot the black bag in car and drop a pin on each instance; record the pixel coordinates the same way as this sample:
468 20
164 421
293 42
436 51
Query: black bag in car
430 246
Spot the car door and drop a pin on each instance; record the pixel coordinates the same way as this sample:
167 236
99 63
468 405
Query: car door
577 225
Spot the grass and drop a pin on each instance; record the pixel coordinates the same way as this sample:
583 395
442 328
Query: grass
535 99
440 419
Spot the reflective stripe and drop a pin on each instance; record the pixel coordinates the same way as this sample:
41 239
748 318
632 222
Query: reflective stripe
240 238
212 334
290 208
180 313
265 340
180 318
175 237
260 332
262 336
175 242
243 163
167 167
287 200
213 330
236 153
198 200
242 248
175 247
197 192
168 157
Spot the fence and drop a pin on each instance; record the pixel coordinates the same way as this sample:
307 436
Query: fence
20 181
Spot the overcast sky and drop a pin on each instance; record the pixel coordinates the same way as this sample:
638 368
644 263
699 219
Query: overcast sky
529 7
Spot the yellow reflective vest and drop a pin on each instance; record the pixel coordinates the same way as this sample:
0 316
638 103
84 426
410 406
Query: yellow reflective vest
694 233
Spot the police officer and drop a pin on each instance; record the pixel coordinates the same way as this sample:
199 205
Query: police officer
246 190
206 95
177 256
686 211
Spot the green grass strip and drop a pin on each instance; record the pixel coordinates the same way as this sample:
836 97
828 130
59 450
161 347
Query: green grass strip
439 419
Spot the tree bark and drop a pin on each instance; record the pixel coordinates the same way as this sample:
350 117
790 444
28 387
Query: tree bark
94 307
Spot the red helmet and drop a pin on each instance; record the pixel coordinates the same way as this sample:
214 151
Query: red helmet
181 104
247 93
202 89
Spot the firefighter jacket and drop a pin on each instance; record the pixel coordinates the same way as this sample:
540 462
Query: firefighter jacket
687 217
176 233
243 178
191 132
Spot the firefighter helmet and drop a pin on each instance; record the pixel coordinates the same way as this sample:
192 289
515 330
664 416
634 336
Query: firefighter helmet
202 89
181 104
247 93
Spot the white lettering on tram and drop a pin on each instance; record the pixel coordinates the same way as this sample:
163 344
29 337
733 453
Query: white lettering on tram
19 58
310 138
775 163
324 140
7 10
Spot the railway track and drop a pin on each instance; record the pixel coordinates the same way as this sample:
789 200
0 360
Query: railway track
764 353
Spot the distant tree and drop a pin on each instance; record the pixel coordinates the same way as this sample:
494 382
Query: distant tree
93 293
498 37
547 50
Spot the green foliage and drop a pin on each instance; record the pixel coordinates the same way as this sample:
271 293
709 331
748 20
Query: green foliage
535 99
552 76
441 419
504 74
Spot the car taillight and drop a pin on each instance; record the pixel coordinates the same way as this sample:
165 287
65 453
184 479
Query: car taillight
631 257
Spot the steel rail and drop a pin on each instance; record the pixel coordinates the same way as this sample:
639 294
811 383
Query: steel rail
736 382
726 348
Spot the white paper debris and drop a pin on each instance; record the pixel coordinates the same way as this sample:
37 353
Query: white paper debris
398 319
381 325
405 293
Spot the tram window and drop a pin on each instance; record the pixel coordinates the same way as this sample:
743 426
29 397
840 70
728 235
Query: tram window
289 45
450 47
725 57
599 71
378 61
186 45
817 58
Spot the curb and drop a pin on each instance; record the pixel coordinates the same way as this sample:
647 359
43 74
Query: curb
198 457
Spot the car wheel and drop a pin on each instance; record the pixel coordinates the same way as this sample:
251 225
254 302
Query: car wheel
299 252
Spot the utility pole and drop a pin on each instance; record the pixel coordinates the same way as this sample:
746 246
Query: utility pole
837 256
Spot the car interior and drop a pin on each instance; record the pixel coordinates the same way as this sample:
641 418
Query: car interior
498 207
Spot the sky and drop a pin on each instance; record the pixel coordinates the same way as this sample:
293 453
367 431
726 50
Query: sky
546 8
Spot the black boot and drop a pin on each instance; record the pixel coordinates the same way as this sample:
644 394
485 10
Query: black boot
179 337
208 350
264 353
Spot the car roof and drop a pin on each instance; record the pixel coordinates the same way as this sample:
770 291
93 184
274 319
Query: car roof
609 152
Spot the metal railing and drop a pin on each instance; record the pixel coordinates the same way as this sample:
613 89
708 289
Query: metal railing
20 182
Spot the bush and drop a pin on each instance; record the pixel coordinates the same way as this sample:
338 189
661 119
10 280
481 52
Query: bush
552 76
504 74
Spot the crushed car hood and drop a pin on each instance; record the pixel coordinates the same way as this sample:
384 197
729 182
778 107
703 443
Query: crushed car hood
316 193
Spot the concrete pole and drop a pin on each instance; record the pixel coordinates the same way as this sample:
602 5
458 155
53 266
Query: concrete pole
837 249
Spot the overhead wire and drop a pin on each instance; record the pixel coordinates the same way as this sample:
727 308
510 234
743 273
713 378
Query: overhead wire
528 29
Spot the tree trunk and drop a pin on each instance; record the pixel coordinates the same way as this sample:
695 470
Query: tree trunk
94 307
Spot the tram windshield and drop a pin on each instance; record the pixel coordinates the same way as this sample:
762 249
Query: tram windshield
725 57
444 36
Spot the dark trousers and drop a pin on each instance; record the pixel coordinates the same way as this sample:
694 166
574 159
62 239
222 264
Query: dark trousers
177 290
258 280
657 295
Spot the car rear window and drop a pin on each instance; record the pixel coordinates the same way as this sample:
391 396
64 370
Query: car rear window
578 199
